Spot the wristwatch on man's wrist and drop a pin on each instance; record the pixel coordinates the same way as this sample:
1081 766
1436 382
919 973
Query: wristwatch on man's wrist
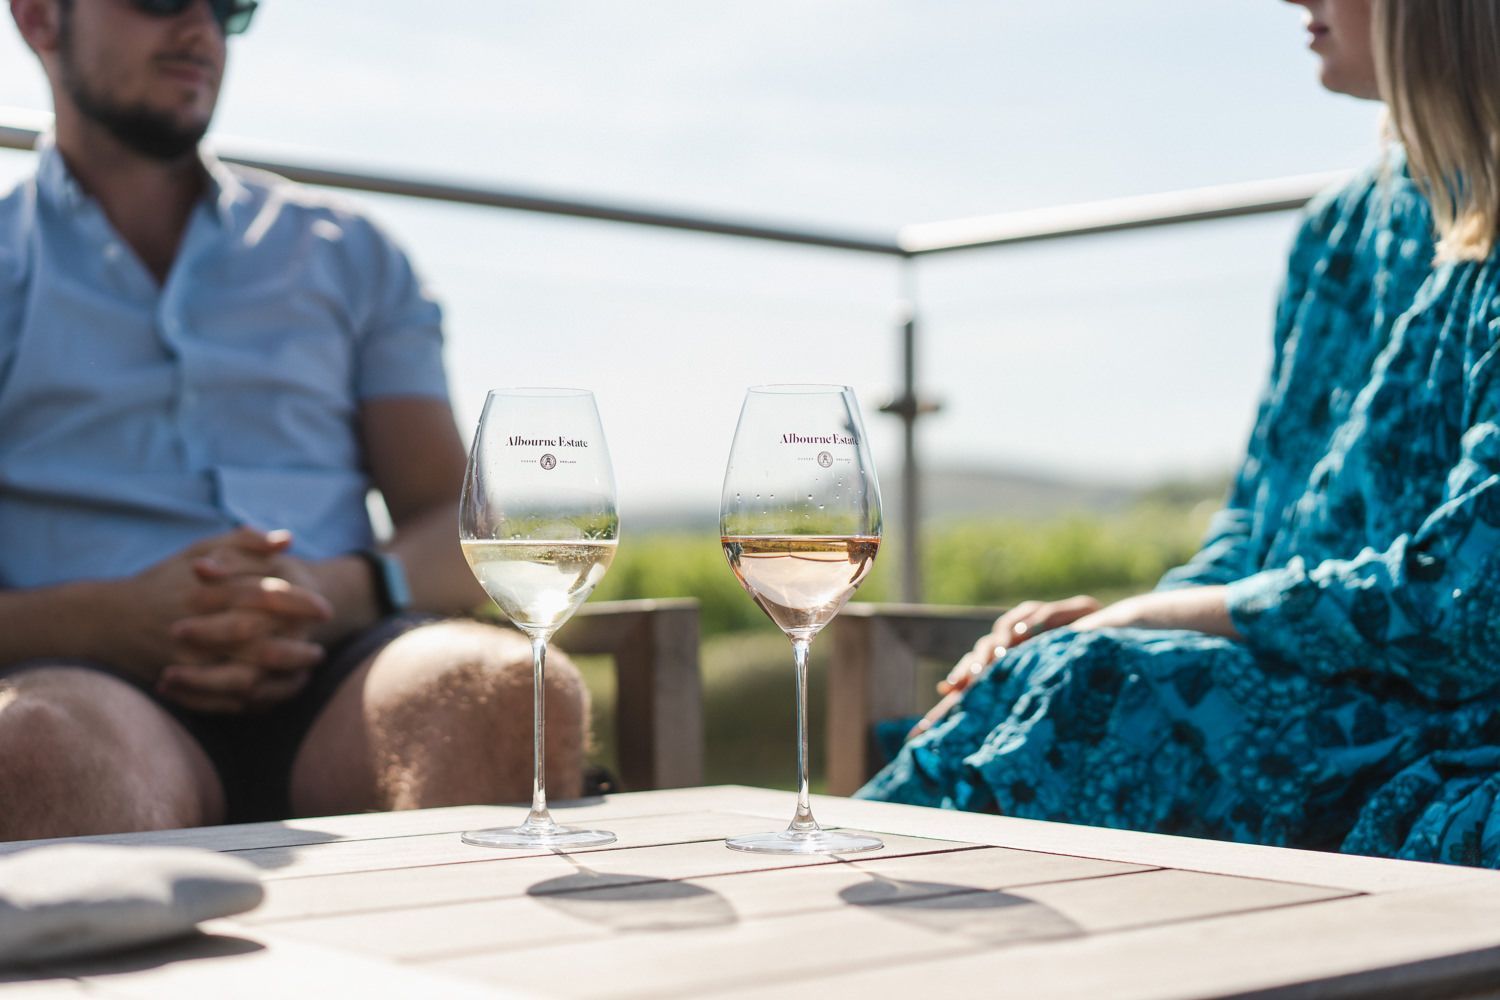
392 594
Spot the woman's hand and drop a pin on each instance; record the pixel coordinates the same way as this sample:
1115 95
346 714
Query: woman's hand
1198 609
1027 619
1020 623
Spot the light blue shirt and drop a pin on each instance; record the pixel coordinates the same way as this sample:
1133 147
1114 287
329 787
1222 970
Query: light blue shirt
136 418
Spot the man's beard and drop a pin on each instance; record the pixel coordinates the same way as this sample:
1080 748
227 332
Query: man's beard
150 133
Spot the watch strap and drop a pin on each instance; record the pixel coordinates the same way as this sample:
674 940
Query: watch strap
392 594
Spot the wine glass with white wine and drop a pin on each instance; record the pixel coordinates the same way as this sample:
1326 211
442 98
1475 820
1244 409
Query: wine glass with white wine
538 526
800 523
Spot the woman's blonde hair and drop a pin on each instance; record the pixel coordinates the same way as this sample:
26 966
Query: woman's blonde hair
1438 63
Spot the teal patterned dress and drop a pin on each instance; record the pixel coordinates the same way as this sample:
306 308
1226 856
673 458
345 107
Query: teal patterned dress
1361 548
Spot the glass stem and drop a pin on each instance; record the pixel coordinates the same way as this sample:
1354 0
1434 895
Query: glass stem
803 822
539 814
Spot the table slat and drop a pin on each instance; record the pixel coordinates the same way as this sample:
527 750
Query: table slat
19 987
237 966
447 819
570 909
1420 942
346 856
395 888
322 830
853 937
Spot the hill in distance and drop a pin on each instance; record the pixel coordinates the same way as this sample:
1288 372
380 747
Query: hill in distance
954 493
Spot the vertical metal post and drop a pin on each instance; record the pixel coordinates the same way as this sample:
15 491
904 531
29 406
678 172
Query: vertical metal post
909 408
911 504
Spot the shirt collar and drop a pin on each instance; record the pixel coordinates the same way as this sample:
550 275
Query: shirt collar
57 183
53 179
224 188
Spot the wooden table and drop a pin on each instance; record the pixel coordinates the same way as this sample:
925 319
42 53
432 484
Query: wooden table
955 905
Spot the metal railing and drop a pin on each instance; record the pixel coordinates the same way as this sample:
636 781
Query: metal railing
20 129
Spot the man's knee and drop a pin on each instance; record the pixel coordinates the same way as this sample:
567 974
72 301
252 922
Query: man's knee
35 733
82 752
44 723
449 711
463 666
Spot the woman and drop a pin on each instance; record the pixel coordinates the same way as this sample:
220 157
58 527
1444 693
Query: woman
1325 673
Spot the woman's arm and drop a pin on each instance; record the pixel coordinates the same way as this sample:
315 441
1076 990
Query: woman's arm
1197 609
1426 607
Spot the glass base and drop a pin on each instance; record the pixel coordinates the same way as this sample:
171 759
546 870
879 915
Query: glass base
526 835
809 842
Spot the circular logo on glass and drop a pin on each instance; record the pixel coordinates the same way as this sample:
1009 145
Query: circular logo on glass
825 459
548 461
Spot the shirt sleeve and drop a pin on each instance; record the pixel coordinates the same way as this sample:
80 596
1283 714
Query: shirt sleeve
399 342
1426 608
16 213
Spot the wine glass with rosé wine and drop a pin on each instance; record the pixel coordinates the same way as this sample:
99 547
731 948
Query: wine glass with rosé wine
800 523
538 526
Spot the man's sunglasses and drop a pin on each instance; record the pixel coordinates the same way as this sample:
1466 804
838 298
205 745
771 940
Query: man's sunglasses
233 15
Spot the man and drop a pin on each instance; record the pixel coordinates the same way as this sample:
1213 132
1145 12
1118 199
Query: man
191 355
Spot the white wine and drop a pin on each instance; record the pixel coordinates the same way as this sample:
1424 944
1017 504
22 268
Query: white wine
801 581
538 584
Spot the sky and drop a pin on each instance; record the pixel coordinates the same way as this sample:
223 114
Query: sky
1123 357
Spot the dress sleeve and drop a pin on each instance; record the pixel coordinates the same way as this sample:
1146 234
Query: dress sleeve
1426 608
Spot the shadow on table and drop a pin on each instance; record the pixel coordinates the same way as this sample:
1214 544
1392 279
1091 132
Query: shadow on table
276 856
285 853
566 804
629 903
985 916
195 947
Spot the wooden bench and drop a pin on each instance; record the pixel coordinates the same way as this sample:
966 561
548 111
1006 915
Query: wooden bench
876 654
659 689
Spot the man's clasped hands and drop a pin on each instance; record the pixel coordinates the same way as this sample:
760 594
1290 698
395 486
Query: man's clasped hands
235 618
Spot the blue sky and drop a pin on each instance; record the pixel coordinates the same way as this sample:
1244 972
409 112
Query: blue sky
1121 357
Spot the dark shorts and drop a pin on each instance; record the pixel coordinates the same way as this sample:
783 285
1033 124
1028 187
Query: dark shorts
253 754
